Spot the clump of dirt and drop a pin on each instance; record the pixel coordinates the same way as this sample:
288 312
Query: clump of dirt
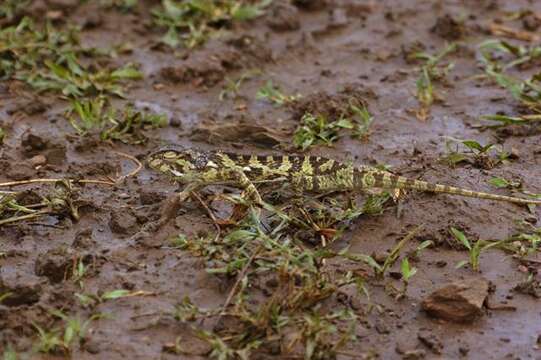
242 131
333 106
449 28
207 68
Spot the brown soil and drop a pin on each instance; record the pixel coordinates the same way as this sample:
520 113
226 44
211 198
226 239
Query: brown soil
330 52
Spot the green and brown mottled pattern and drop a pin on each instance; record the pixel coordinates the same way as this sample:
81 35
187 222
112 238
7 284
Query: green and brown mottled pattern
305 173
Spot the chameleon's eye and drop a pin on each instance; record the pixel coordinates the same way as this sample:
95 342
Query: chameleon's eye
170 155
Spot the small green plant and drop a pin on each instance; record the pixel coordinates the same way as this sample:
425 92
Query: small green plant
126 125
526 91
10 354
362 119
91 300
395 252
502 183
425 244
431 71
274 95
407 272
122 5
79 272
192 22
474 249
49 341
317 130
63 339
521 55
54 63
474 153
232 87
10 9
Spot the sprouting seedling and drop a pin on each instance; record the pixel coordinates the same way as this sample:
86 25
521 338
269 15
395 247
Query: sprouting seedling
425 244
521 54
91 300
474 249
273 94
395 252
232 86
472 152
10 354
503 183
407 272
193 22
431 71
362 120
79 272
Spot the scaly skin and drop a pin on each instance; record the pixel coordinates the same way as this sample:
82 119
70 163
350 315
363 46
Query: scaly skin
305 173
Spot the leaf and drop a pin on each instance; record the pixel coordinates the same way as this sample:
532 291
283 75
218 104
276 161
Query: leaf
367 259
499 182
127 72
115 294
344 123
461 264
472 144
407 272
459 235
506 120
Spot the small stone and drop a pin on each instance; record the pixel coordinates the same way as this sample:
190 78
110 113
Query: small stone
91 346
338 18
461 301
431 341
514 153
463 350
175 122
381 327
38 160
531 22
414 354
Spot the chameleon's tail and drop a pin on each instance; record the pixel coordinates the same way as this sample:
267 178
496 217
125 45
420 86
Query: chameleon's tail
400 182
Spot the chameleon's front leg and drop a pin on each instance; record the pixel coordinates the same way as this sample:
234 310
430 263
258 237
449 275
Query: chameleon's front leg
173 203
169 209
245 183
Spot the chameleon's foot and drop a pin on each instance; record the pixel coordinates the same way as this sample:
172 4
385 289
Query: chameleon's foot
167 213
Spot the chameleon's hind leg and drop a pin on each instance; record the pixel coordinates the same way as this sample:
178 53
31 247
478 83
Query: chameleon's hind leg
249 193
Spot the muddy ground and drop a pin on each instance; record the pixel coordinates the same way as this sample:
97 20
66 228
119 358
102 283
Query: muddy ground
319 50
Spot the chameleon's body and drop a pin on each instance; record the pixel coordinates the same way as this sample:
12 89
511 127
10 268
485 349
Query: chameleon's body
304 173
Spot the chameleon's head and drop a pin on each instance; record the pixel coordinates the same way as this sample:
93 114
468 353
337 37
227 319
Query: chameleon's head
181 164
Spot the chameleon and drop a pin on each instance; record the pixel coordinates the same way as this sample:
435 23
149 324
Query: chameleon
306 174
